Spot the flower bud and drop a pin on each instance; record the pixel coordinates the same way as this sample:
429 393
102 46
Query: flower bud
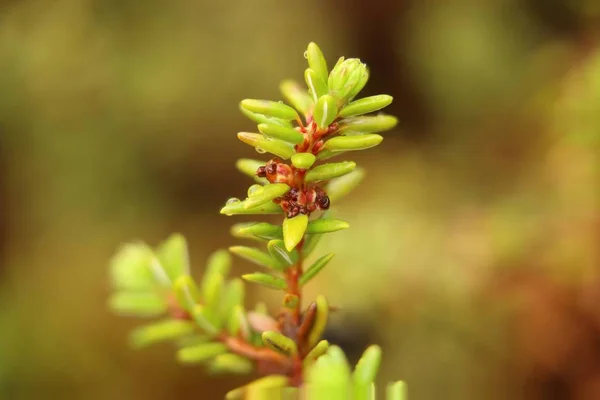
347 79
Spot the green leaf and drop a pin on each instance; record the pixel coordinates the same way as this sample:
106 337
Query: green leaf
262 230
262 145
282 133
234 296
315 268
347 79
279 252
167 330
310 243
173 256
297 96
263 119
316 352
279 343
326 154
238 322
325 111
230 364
270 108
366 368
360 84
258 388
396 391
270 281
331 170
137 304
219 263
338 358
316 61
200 353
366 105
303 160
248 167
326 225
320 321
353 143
317 87
338 188
130 267
268 193
367 124
200 315
213 290
257 256
293 230
238 207
186 292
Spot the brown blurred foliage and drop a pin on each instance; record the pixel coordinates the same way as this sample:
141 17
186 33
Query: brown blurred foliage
472 256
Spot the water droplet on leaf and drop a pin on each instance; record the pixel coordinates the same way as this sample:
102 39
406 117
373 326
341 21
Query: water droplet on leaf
306 54
260 150
255 190
232 200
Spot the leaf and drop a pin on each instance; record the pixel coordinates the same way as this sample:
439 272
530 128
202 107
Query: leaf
331 170
310 243
269 108
316 61
270 281
230 364
396 391
161 331
315 268
200 353
186 292
199 313
325 111
338 358
282 133
268 193
261 322
367 124
234 296
280 343
238 207
173 256
139 304
238 322
261 144
303 160
317 87
326 225
366 105
262 230
258 388
353 143
257 257
213 290
219 262
339 188
316 352
263 119
326 154
320 323
297 96
367 366
293 230
248 167
279 252
130 267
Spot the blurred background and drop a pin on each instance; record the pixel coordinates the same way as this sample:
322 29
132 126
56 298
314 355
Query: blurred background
474 252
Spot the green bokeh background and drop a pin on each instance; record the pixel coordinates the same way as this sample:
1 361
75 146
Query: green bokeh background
472 256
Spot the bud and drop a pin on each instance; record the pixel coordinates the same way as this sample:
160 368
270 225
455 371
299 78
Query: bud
347 79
